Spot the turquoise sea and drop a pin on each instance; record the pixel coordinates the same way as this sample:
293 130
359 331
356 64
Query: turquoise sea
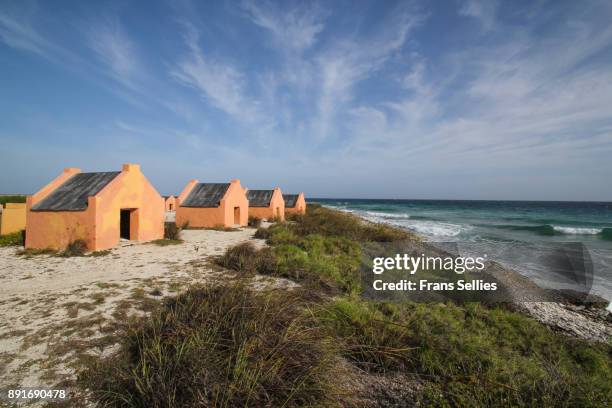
515 233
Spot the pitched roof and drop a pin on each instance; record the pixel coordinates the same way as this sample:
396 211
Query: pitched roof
290 200
72 194
259 198
206 195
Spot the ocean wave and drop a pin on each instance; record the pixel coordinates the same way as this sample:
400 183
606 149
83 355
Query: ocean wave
438 229
577 231
545 229
548 230
379 214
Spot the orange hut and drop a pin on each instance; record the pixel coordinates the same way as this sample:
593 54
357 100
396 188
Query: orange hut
295 203
266 204
98 208
170 202
207 205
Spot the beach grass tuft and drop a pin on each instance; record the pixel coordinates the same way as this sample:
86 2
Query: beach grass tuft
224 347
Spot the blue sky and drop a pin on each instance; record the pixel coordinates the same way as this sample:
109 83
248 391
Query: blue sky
433 99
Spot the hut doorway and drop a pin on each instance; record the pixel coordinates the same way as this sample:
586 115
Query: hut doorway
236 215
125 226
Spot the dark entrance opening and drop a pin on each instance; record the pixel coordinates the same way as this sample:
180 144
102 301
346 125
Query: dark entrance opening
236 215
125 224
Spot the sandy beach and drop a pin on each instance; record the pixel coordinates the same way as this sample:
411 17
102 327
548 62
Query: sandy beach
54 310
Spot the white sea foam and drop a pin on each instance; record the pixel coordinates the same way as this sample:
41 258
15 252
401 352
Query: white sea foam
437 229
379 214
576 230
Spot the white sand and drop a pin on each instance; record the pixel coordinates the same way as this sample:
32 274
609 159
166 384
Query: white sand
50 305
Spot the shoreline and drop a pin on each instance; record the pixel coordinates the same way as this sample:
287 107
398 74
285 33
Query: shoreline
563 312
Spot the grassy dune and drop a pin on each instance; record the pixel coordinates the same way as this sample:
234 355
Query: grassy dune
230 346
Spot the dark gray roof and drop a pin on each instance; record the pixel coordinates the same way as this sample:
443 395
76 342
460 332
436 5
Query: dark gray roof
290 200
259 198
206 195
72 195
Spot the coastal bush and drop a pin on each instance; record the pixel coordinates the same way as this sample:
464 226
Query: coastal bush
240 258
12 239
472 355
328 222
254 222
329 263
171 231
221 347
262 233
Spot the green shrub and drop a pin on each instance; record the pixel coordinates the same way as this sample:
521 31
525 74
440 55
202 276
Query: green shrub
171 231
12 239
221 347
471 355
266 262
262 233
254 222
240 258
324 221
279 234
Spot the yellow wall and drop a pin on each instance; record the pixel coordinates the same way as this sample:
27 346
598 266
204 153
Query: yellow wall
13 218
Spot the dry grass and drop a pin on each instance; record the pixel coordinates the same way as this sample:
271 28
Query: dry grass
221 347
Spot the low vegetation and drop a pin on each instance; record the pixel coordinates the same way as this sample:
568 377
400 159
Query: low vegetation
221 227
12 239
254 222
471 355
171 231
223 347
166 242
75 248
231 346
12 199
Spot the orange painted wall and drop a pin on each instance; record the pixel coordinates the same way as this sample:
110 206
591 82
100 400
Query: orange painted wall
217 216
99 224
171 203
13 218
276 208
300 206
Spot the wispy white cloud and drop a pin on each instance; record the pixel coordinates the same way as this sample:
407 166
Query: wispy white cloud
484 11
295 29
353 60
221 84
116 51
20 29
